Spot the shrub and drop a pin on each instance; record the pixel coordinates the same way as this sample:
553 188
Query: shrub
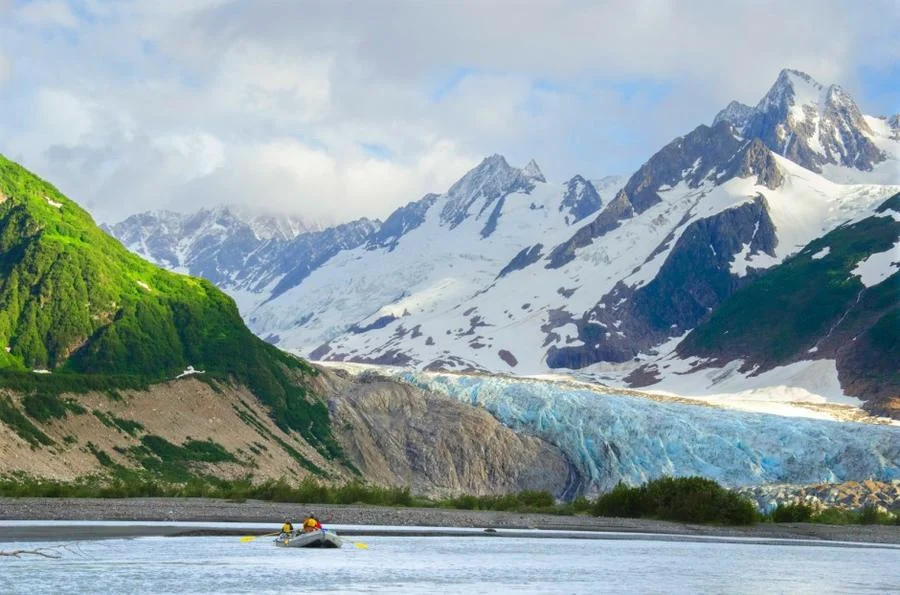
685 499
622 501
792 513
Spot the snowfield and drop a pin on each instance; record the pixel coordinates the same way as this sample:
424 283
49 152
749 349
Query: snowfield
437 296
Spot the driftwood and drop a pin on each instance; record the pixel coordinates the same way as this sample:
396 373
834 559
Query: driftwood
41 551
54 551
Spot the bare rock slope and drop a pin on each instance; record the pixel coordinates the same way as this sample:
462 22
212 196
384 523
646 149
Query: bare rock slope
394 434
398 435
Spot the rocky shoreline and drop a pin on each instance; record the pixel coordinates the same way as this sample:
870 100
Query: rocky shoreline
251 511
849 495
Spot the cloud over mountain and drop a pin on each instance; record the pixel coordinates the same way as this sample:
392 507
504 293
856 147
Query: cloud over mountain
341 111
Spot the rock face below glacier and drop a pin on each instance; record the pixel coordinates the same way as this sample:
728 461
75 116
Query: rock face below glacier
613 437
398 435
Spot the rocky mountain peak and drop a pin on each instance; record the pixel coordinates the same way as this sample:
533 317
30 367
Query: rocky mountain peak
533 172
488 182
810 124
580 199
791 88
736 113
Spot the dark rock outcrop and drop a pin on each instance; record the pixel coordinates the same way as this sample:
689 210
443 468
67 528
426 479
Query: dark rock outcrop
609 218
756 159
580 200
694 279
401 222
525 258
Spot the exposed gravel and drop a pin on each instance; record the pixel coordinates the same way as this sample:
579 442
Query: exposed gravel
207 510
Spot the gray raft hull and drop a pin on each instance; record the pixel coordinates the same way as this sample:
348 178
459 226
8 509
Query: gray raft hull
316 539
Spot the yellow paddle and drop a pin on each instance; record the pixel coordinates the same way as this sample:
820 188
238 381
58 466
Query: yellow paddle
360 545
247 538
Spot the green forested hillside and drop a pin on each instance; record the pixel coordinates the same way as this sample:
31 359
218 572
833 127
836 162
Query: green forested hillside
813 306
74 301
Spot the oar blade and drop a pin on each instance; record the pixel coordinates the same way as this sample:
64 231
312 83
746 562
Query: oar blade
360 545
247 538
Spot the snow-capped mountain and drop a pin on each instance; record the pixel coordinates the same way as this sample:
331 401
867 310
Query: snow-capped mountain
698 221
841 297
509 272
820 128
429 256
243 252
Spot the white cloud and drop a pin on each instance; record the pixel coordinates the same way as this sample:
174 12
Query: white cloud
47 13
64 115
283 174
178 104
255 79
5 68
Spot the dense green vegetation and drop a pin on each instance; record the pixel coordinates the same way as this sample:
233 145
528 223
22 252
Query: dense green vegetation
167 462
12 417
74 301
44 406
526 501
803 513
686 499
690 499
133 485
123 425
788 309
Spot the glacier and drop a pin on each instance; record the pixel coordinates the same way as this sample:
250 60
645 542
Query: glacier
613 437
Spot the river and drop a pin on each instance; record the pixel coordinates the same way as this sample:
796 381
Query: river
468 564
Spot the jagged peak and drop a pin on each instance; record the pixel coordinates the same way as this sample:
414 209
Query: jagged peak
791 75
495 161
533 172
491 180
580 199
792 87
837 97
735 113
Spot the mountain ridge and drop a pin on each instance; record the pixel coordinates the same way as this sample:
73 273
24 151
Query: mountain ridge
507 273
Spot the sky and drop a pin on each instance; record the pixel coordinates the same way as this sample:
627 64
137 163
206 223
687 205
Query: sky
335 110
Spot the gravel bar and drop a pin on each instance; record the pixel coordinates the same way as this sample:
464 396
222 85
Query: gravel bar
253 511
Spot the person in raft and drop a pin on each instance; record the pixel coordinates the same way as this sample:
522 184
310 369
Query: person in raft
311 524
287 528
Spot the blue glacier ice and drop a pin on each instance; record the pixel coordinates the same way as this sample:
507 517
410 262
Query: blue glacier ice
617 437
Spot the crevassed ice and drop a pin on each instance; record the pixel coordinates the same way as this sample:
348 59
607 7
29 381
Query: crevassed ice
611 438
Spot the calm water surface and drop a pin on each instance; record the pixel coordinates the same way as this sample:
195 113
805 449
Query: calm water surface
449 565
